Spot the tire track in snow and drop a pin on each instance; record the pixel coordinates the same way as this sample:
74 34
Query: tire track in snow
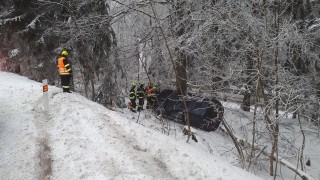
87 143
44 165
150 165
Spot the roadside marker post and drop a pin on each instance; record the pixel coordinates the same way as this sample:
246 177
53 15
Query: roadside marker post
45 95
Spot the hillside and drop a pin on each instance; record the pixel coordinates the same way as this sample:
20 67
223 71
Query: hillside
80 139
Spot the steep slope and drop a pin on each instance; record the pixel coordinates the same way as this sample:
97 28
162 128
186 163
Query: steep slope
80 139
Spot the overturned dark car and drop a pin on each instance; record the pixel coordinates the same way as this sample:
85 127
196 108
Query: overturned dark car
204 113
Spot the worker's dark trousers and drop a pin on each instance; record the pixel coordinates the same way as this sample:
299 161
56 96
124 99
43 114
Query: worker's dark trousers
65 82
149 101
140 104
152 99
134 105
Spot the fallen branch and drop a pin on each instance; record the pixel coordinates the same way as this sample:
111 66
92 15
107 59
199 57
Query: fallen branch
233 137
292 167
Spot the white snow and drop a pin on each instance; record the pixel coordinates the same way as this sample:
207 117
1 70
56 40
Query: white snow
316 24
33 23
80 139
14 52
84 140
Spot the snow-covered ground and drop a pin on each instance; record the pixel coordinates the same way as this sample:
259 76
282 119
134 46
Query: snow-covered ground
80 139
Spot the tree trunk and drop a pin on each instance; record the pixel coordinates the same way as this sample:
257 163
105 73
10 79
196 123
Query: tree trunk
174 68
181 62
234 139
299 13
247 95
246 101
88 70
182 72
276 64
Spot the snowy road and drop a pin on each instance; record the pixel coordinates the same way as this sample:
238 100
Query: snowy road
18 134
80 139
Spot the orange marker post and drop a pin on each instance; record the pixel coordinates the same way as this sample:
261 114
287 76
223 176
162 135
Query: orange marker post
45 95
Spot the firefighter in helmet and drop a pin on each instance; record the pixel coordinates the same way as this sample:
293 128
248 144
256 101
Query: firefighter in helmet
153 96
132 95
140 96
65 71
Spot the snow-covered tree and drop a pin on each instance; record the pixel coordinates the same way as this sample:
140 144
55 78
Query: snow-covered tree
41 29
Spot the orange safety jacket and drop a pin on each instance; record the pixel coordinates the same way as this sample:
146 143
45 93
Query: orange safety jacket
64 66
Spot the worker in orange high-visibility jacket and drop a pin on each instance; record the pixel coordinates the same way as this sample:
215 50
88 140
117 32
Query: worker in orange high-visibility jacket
65 71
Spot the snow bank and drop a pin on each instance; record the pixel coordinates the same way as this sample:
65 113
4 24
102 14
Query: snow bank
87 141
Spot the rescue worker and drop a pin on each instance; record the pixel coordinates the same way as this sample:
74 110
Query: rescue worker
148 93
65 71
132 95
140 96
153 96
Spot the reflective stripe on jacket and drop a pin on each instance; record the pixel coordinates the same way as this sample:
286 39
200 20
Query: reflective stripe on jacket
132 94
64 66
140 92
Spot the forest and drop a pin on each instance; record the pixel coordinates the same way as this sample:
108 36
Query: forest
267 51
